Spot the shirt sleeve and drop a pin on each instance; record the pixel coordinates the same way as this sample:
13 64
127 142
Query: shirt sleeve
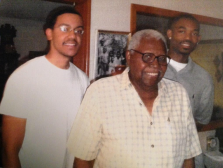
85 135
15 98
193 147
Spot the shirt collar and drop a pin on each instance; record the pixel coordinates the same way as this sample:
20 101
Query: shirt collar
124 79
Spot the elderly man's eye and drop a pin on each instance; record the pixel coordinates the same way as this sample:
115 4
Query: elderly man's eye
148 56
162 58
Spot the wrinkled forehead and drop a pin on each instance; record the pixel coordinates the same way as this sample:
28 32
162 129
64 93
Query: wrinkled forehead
152 42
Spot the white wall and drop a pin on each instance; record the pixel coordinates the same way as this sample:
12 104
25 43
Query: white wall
29 35
115 15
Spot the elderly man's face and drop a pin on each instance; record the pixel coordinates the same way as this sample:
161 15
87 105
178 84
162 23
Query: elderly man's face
146 75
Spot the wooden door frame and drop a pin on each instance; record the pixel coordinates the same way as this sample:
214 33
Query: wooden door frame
82 59
142 9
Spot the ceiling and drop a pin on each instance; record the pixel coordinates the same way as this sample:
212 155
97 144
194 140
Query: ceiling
27 9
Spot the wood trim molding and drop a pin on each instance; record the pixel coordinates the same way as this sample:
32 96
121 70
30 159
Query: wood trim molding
61 1
81 60
141 9
216 41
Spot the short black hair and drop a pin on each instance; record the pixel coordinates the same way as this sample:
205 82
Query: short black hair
173 20
52 16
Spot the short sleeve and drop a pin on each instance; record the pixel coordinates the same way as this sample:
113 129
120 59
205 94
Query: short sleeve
193 147
16 96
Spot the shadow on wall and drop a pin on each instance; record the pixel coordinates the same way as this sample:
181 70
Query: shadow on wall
1 140
217 113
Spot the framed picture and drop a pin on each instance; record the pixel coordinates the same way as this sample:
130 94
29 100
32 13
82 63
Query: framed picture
110 52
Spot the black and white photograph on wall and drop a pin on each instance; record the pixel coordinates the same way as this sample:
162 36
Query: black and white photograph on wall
111 48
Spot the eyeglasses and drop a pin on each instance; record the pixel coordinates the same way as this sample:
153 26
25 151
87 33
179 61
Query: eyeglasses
66 29
150 57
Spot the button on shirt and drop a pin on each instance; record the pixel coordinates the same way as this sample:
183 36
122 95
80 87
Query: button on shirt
114 127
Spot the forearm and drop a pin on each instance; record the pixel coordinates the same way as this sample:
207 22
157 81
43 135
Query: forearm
199 126
13 132
78 163
10 159
188 163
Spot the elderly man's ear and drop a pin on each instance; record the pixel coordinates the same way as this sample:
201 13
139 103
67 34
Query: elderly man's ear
127 56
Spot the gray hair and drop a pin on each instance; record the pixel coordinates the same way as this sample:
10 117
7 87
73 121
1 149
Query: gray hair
147 34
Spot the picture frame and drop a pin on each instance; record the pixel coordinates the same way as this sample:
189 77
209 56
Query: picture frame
110 53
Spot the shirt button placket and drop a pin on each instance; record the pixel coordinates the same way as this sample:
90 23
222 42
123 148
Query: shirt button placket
152 131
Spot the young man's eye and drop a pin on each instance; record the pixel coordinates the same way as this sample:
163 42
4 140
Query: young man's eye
64 28
181 31
195 34
79 31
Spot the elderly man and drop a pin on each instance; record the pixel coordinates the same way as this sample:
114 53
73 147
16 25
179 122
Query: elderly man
136 119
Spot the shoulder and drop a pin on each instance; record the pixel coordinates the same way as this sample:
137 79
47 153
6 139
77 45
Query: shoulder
82 76
201 78
28 68
172 87
175 93
200 72
170 83
104 83
34 61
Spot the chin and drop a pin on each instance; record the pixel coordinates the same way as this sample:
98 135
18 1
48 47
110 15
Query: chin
150 84
70 54
187 52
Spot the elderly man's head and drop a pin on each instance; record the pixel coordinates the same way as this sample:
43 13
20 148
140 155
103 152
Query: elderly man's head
147 59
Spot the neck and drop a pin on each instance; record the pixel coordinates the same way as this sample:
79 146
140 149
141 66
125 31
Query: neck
58 61
151 95
148 97
146 93
178 57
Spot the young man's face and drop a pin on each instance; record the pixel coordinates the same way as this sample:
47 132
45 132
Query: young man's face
184 36
65 43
